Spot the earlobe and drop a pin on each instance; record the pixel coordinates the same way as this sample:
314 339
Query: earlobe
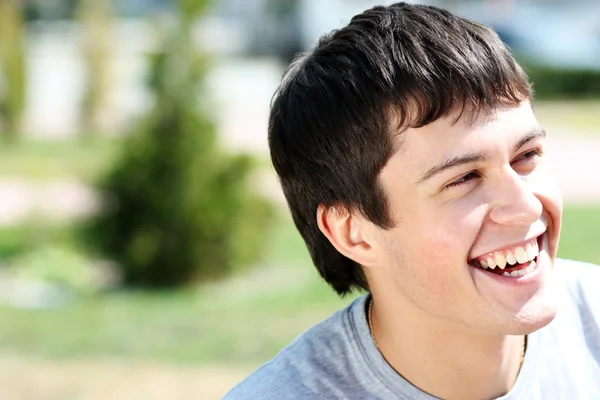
345 231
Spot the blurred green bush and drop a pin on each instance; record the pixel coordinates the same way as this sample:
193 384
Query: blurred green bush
558 83
46 253
177 208
15 240
58 265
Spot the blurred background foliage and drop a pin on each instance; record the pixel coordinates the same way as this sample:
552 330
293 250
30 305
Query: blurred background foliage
178 208
140 218
552 83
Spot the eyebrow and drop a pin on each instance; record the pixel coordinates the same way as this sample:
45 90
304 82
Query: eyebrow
469 158
538 132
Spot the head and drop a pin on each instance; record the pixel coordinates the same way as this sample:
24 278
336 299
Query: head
407 150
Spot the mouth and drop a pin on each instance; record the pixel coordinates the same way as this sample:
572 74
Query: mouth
512 262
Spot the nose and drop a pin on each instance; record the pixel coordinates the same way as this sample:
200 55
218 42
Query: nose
515 203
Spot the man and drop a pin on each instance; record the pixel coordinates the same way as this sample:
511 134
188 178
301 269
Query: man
414 169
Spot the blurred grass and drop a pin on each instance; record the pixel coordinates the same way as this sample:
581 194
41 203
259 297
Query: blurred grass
50 159
580 234
16 240
243 320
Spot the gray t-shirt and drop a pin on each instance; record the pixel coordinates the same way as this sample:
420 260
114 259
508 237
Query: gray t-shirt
336 359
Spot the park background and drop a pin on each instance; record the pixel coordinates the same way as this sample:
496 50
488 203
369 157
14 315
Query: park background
146 251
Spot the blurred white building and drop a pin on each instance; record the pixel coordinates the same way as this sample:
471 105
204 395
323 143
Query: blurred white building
57 76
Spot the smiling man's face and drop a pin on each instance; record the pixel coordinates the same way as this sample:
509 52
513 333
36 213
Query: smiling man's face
464 197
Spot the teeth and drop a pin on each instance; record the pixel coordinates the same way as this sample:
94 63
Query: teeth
510 258
500 261
521 272
532 251
521 255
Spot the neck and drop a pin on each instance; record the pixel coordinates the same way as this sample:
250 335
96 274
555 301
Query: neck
445 360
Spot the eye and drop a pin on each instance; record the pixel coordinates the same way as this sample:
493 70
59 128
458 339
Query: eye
529 156
464 179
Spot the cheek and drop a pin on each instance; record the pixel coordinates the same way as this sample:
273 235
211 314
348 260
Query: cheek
428 253
450 232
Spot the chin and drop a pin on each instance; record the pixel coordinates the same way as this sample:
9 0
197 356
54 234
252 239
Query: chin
533 317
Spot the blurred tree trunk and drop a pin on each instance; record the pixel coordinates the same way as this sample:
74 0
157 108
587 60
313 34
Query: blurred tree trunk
12 68
95 17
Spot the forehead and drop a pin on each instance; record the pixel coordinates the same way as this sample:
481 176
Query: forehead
451 135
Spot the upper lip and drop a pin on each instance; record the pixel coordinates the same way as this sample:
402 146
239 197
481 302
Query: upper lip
510 246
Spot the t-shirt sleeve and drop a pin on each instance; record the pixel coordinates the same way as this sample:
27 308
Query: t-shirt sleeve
272 381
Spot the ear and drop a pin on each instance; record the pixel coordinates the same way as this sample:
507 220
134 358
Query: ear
347 233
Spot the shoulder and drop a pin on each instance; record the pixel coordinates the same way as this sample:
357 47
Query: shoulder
272 381
580 278
582 283
571 342
308 367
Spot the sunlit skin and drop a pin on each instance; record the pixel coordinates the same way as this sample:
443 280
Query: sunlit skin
452 329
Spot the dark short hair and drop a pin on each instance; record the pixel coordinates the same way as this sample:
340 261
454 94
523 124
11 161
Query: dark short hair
339 106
